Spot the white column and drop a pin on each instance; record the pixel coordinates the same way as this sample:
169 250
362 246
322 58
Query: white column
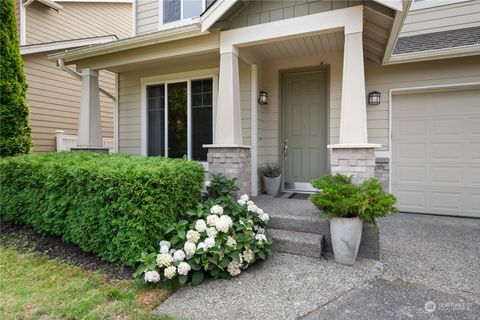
254 124
228 122
353 114
90 125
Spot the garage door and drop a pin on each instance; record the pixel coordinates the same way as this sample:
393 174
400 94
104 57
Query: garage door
436 152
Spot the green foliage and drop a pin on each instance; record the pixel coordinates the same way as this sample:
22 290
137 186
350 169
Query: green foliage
340 198
113 205
271 170
245 242
220 186
15 133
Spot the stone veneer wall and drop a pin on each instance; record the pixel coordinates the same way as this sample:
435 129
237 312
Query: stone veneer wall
233 163
359 162
382 171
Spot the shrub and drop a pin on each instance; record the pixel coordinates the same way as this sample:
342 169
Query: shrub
340 198
220 238
113 205
15 133
272 171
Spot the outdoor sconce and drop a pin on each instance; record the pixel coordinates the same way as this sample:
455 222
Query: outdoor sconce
374 97
263 97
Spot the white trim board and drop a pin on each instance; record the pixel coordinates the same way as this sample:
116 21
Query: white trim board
420 89
173 78
62 45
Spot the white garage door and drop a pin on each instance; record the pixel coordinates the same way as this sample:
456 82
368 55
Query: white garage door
436 152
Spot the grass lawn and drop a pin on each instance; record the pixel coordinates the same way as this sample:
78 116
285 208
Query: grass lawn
35 287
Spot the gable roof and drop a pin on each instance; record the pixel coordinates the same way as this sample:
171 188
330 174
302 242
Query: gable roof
65 44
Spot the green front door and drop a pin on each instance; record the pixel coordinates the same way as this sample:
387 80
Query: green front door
305 132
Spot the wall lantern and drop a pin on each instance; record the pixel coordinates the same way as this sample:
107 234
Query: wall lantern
374 97
263 97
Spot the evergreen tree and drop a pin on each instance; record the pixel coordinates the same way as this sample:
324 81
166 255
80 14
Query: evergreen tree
15 132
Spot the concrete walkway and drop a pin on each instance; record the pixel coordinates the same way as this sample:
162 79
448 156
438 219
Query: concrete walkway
425 260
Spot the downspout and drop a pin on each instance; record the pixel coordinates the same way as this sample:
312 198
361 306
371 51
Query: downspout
61 65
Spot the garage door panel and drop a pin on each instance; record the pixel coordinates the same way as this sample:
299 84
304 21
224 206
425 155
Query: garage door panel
436 152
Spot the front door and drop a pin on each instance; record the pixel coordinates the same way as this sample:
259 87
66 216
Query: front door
305 131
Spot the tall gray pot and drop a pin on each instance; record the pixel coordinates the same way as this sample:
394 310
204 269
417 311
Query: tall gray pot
346 234
272 185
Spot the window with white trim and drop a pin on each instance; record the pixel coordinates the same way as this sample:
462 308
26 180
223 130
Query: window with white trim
180 10
180 119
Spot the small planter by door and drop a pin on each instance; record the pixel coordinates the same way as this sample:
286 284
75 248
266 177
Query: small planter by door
346 234
272 184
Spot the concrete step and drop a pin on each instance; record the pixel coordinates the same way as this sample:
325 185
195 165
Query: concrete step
299 243
300 223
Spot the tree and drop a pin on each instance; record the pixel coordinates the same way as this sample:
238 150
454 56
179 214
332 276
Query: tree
15 132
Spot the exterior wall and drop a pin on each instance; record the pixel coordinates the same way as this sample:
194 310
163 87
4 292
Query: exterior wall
146 15
54 99
77 20
257 12
442 18
17 17
245 101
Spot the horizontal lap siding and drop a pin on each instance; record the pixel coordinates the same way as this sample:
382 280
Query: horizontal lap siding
54 100
442 18
77 20
147 14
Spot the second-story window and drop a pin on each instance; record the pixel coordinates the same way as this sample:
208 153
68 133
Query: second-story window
178 10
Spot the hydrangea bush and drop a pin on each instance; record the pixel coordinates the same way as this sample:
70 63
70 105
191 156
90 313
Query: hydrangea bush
221 237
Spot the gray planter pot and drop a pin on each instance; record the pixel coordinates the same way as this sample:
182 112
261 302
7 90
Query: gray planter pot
272 184
346 234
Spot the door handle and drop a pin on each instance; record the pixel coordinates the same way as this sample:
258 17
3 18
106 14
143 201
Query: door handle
285 148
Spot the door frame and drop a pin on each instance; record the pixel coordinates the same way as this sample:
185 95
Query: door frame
281 117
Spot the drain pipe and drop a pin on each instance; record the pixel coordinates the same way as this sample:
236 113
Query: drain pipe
61 65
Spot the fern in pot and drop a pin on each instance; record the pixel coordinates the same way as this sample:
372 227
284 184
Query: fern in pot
272 176
348 206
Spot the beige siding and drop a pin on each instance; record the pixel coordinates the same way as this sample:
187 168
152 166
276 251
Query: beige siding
245 101
147 14
442 18
430 73
17 17
77 20
257 12
54 99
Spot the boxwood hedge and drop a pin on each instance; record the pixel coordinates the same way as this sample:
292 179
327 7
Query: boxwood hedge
113 205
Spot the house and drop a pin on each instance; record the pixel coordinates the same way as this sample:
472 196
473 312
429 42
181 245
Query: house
387 88
47 26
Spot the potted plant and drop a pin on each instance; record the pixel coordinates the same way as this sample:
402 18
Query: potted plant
348 206
272 176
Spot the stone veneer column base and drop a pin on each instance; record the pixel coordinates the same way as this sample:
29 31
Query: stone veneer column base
233 162
359 162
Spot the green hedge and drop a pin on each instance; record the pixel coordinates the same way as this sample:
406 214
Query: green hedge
113 205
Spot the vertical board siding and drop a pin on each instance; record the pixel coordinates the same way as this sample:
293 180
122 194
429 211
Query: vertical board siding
54 99
246 101
147 15
442 18
77 20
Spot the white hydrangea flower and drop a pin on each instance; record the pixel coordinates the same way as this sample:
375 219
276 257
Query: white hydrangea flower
244 197
212 219
259 229
164 259
172 251
259 211
183 268
193 236
190 248
179 255
207 184
212 232
200 225
234 268
210 242
248 255
251 207
163 249
216 209
152 276
241 202
165 243
231 242
264 217
202 245
170 272
260 237
223 223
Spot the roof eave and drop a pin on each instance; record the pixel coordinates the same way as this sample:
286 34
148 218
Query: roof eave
445 53
400 17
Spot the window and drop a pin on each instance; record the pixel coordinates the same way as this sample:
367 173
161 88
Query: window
180 119
178 10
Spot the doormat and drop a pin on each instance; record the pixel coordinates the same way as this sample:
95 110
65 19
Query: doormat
293 195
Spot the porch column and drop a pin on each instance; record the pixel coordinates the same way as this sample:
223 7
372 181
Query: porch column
353 155
227 155
90 125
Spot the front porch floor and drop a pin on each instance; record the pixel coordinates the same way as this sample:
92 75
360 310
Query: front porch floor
424 259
